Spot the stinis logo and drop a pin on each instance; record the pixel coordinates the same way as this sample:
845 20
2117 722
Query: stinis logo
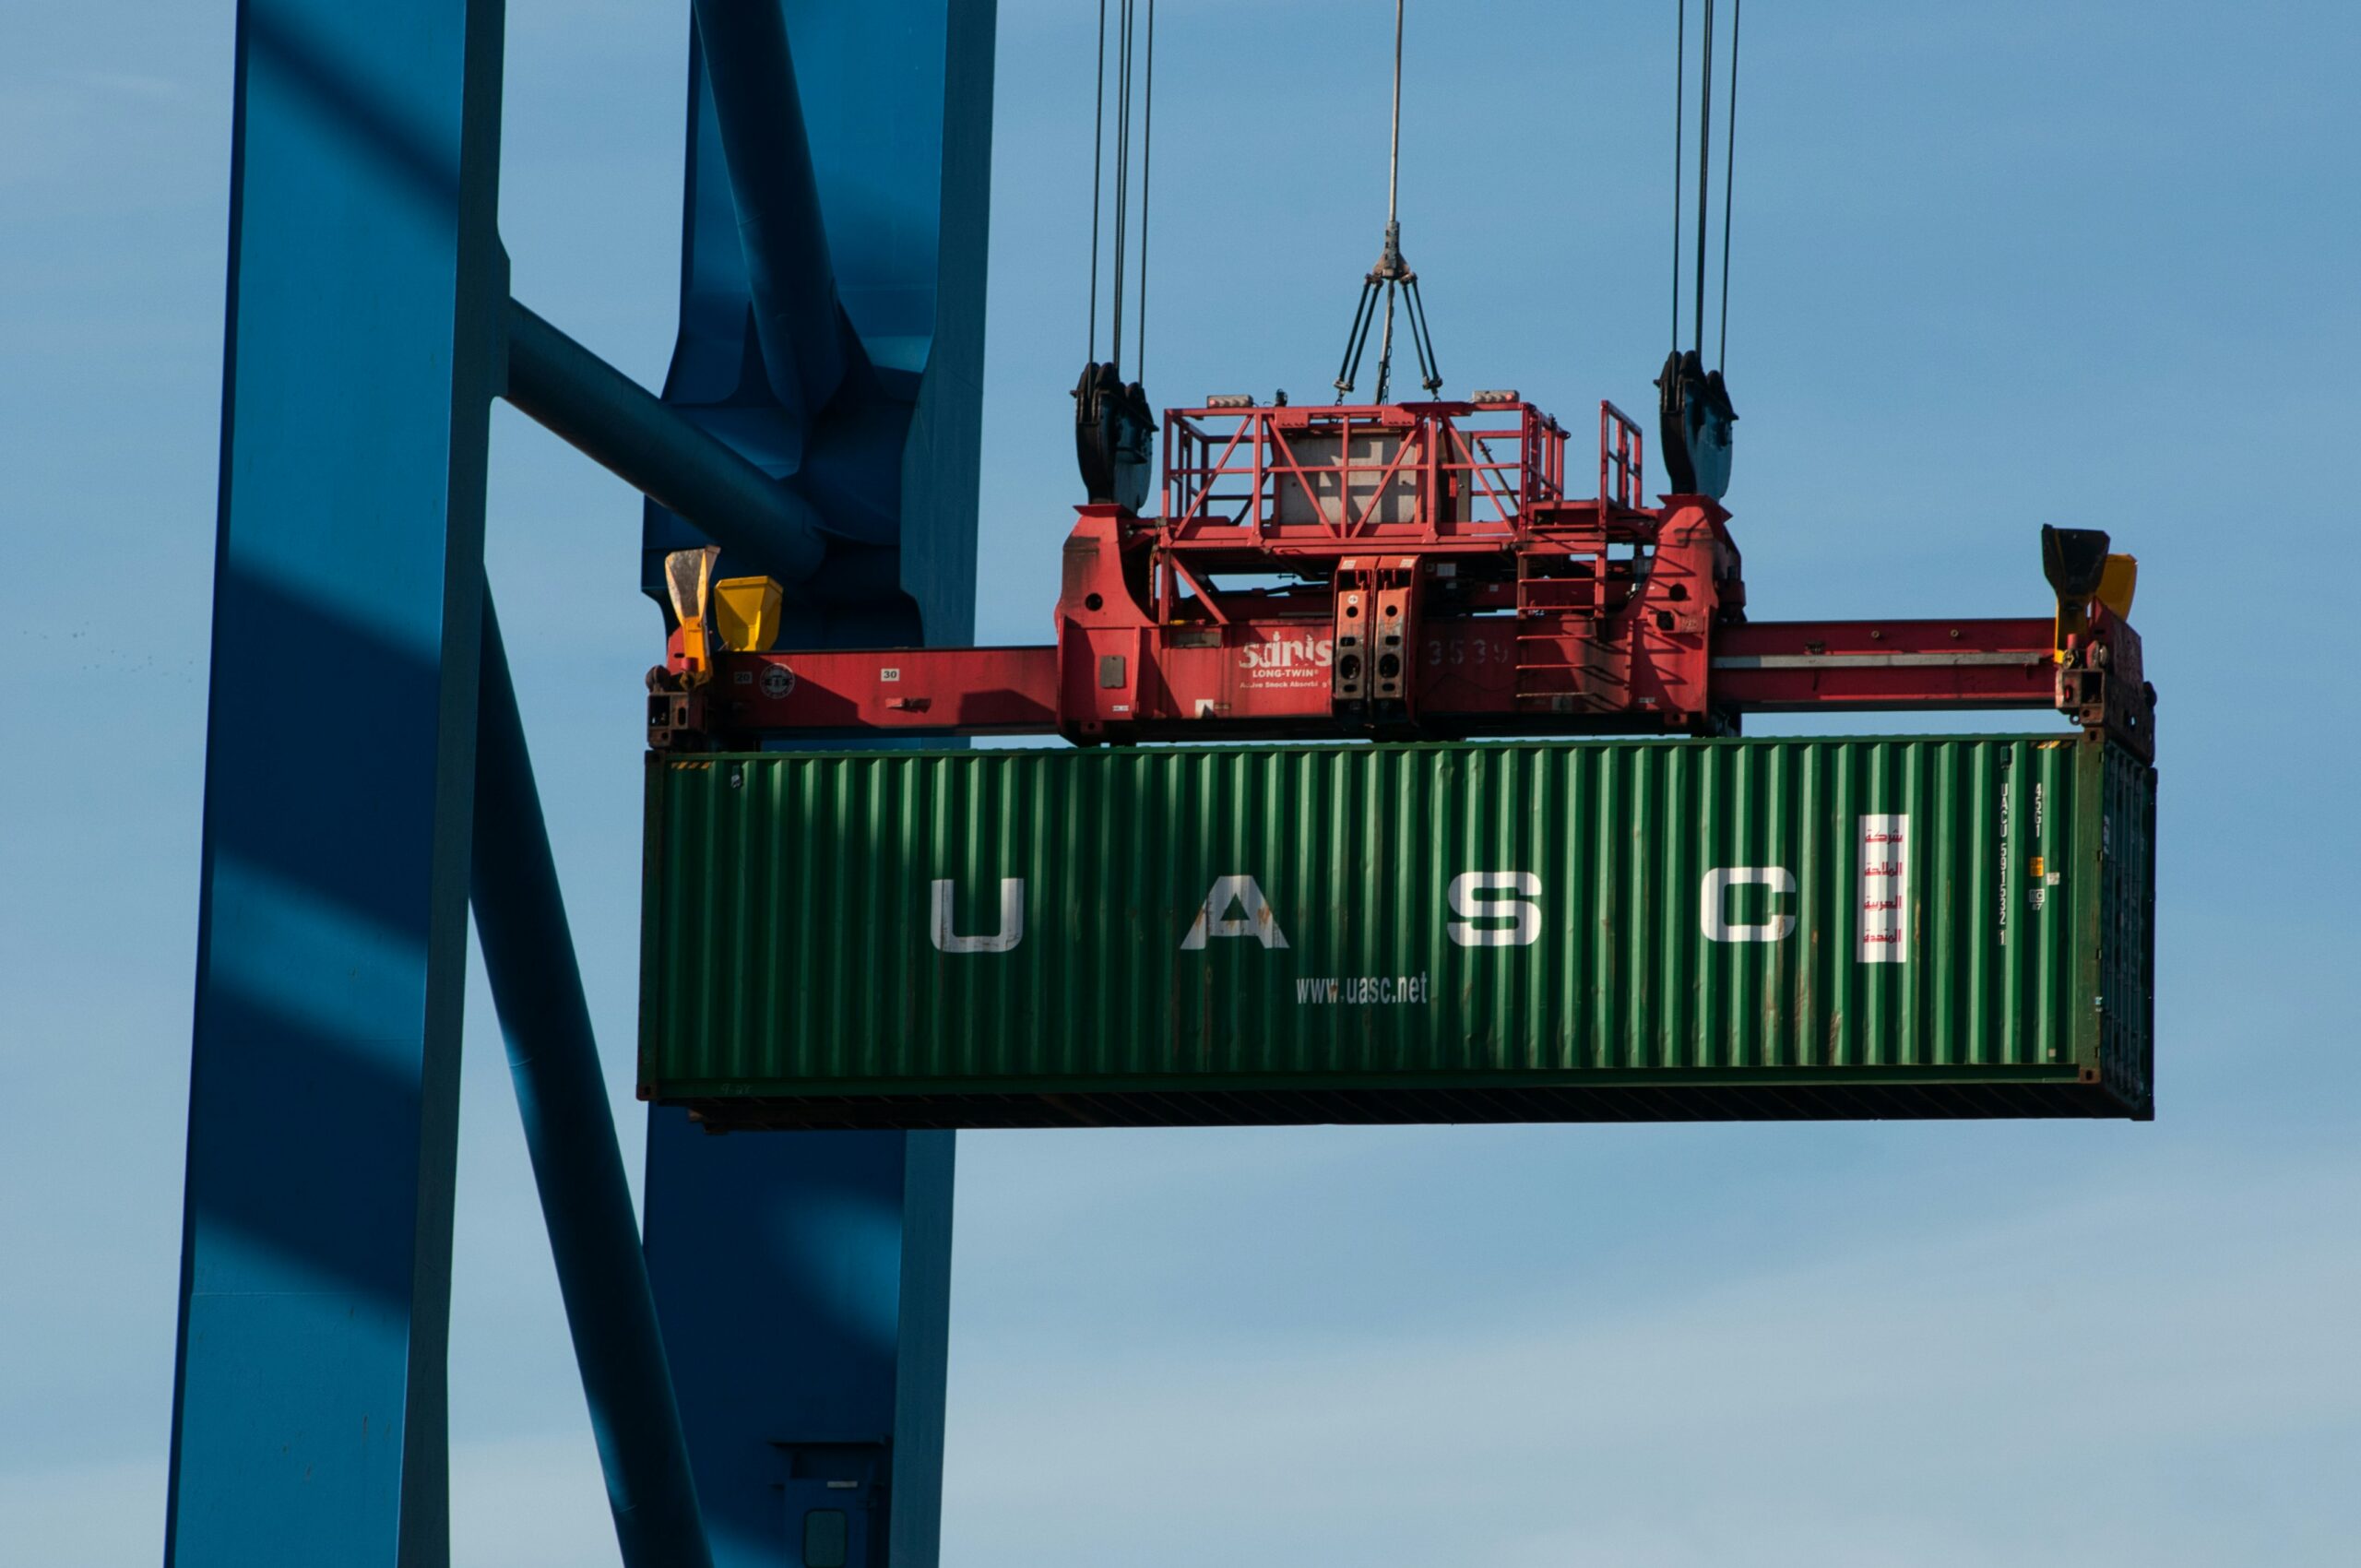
1289 653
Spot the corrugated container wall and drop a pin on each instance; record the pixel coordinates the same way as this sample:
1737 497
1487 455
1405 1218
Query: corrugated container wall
1651 931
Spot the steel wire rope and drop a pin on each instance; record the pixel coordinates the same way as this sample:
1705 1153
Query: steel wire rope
1680 127
1393 276
1422 341
1393 217
1729 185
1122 173
1705 165
1097 182
1394 158
1147 148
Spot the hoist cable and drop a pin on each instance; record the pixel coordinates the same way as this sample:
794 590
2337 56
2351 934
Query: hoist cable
1729 184
1704 164
1122 169
1097 181
1390 263
1394 158
1680 126
1147 145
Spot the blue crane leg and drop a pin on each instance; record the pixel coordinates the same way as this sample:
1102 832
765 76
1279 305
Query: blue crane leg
570 1131
365 288
803 1282
803 1279
896 97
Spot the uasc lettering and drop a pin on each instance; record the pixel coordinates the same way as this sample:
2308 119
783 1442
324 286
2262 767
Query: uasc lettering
1484 909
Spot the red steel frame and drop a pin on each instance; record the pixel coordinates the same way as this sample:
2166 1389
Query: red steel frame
1398 571
1435 466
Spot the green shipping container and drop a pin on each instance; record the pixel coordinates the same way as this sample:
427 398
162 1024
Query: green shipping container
1654 930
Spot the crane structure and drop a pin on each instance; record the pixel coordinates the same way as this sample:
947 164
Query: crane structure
764 1373
776 1349
1413 571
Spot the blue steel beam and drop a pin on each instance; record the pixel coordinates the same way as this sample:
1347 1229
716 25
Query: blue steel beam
806 345
896 99
626 430
803 1282
362 348
570 1131
803 1279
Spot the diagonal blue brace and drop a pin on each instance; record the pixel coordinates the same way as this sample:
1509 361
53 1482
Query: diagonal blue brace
570 1131
763 522
807 348
608 416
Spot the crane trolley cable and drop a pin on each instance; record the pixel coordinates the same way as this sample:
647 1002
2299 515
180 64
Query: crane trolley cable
1114 429
1694 410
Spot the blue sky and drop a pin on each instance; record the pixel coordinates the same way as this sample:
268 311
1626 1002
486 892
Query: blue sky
1997 266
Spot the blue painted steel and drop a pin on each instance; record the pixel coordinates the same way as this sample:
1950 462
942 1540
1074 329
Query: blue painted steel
803 1280
808 1280
607 415
362 350
897 102
750 70
553 1058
